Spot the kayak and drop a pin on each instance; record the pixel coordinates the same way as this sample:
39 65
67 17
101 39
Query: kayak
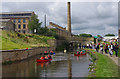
46 60
79 54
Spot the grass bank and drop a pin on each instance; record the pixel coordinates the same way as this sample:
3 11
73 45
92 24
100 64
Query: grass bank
12 40
104 67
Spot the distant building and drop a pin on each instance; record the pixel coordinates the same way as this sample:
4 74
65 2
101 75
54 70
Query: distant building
60 30
7 24
110 38
20 19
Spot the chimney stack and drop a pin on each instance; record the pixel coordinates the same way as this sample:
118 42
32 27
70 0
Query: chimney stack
69 17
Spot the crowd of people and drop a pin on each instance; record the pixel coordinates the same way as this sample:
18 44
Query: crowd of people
103 47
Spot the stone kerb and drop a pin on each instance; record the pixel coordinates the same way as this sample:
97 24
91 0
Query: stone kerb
21 54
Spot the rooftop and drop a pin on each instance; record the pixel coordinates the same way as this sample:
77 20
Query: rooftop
4 20
17 12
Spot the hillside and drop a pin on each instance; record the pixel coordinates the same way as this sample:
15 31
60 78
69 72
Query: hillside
12 40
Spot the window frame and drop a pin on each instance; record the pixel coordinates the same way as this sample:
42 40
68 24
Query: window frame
19 31
18 26
23 26
19 20
24 31
24 20
14 20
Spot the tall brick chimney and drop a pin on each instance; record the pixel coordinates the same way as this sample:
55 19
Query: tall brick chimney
68 17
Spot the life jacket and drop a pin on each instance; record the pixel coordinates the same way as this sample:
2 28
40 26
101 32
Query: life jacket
46 57
42 58
77 52
49 57
51 51
45 51
81 52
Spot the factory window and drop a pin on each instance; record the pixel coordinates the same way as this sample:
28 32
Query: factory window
24 21
14 21
19 20
24 31
24 26
19 31
19 26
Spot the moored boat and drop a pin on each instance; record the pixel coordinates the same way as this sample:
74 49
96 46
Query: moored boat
40 60
79 54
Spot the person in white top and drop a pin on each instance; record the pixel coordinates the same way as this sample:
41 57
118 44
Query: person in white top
101 48
111 49
87 45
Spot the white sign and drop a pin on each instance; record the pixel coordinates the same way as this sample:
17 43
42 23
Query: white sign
34 30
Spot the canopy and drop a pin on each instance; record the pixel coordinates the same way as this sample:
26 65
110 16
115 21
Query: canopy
95 36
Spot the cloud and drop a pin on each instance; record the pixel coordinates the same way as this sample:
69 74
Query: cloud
87 17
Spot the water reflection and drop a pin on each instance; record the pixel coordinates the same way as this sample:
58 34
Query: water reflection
62 65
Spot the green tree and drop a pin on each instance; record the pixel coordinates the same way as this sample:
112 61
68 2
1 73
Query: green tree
42 31
109 35
85 35
99 36
34 23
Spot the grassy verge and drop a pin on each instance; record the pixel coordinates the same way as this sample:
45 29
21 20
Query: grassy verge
105 67
12 40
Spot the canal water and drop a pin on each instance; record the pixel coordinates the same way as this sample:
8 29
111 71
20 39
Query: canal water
62 65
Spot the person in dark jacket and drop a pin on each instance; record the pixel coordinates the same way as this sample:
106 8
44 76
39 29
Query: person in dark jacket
116 49
97 47
106 48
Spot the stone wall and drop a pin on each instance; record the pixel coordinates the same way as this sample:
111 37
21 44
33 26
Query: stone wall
15 55
52 42
9 25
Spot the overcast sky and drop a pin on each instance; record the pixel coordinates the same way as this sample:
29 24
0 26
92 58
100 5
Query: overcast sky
87 17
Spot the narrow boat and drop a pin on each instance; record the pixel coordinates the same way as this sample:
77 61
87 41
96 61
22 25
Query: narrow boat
46 60
79 54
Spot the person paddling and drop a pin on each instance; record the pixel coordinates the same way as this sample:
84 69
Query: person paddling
51 51
81 52
49 57
46 57
42 57
45 52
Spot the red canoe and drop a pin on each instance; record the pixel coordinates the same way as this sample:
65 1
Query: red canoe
79 54
39 60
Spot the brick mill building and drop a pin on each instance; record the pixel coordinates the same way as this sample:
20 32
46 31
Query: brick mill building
20 19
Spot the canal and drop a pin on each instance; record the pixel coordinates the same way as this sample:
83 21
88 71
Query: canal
62 65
